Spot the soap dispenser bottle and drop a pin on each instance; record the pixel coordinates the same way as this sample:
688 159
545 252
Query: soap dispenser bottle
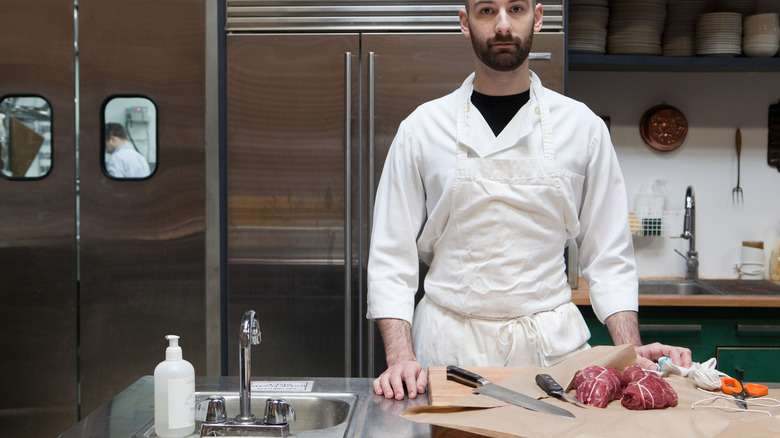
174 393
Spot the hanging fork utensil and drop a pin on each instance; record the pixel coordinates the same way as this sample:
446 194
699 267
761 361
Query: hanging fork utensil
736 192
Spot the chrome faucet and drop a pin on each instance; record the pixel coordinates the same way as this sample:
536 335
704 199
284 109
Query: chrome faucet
278 412
689 232
250 335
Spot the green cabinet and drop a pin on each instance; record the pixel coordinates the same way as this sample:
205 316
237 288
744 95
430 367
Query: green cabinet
739 338
760 364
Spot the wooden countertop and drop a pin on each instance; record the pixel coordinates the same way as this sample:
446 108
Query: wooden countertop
580 297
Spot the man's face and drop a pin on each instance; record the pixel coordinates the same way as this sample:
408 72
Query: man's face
111 144
501 31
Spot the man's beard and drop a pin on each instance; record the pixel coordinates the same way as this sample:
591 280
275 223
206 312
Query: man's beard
504 60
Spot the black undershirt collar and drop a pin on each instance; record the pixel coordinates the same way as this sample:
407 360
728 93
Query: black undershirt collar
498 111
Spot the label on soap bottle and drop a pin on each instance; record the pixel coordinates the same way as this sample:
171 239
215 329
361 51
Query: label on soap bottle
181 402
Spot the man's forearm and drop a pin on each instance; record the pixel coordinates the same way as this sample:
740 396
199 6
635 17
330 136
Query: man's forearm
624 328
397 337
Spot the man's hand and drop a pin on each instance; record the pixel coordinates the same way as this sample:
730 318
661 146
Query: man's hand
624 328
648 355
402 366
407 373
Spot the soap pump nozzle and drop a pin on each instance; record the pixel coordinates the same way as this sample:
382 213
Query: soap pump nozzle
173 352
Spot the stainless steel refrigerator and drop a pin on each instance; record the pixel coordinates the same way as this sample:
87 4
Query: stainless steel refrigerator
310 118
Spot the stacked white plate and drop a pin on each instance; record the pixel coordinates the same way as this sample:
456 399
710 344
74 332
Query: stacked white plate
680 30
744 7
588 21
761 35
636 26
719 34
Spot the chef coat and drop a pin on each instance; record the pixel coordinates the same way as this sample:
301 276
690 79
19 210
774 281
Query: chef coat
415 199
126 162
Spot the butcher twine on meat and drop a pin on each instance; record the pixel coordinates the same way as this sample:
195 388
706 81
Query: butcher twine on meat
597 386
639 389
646 390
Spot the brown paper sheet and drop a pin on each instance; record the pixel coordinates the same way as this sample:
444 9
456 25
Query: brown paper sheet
489 417
24 146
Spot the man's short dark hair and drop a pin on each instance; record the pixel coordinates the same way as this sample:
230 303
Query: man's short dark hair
116 130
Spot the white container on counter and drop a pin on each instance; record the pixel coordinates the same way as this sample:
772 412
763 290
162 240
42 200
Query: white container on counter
174 393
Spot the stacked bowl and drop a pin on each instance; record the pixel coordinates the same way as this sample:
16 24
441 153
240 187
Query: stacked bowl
588 21
719 34
761 35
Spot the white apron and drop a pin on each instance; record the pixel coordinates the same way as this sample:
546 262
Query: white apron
496 291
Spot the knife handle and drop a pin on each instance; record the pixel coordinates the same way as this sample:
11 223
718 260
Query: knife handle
465 377
550 386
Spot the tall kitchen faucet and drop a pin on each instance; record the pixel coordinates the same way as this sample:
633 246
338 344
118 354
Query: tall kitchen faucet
689 232
250 335
278 412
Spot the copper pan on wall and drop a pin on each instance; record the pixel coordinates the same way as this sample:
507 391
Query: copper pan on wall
663 128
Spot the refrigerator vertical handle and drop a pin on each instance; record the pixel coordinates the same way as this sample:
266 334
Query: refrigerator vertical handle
371 190
371 141
348 216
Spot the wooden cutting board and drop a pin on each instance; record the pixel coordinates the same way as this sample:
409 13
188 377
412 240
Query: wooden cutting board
442 392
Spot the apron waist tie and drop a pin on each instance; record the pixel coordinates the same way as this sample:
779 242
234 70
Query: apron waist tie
507 333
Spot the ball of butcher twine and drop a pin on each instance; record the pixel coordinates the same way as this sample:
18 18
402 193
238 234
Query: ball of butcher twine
707 379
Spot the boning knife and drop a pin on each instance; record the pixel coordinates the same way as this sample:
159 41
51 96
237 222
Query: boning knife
490 389
551 387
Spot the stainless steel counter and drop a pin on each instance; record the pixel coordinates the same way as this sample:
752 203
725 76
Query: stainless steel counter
132 409
375 417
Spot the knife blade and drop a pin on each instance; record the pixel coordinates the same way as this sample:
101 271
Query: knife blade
552 388
484 386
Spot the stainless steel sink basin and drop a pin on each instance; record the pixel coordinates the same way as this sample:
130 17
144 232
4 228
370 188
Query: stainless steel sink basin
312 411
316 414
676 287
752 288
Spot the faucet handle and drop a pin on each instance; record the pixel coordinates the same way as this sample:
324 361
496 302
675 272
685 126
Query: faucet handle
278 411
216 411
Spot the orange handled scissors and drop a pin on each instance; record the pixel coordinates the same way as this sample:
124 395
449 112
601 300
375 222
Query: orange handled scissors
741 391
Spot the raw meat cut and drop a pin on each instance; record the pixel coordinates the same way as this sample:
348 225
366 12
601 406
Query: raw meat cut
597 386
646 390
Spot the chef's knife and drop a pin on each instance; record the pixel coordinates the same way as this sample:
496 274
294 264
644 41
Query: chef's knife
490 389
551 387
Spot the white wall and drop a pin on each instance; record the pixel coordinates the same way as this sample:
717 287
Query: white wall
715 105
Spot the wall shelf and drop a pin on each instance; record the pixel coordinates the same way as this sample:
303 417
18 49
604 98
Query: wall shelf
587 62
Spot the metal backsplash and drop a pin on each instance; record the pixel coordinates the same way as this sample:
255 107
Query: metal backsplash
359 16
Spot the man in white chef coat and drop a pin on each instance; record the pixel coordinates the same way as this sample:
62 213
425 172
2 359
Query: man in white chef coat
485 185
